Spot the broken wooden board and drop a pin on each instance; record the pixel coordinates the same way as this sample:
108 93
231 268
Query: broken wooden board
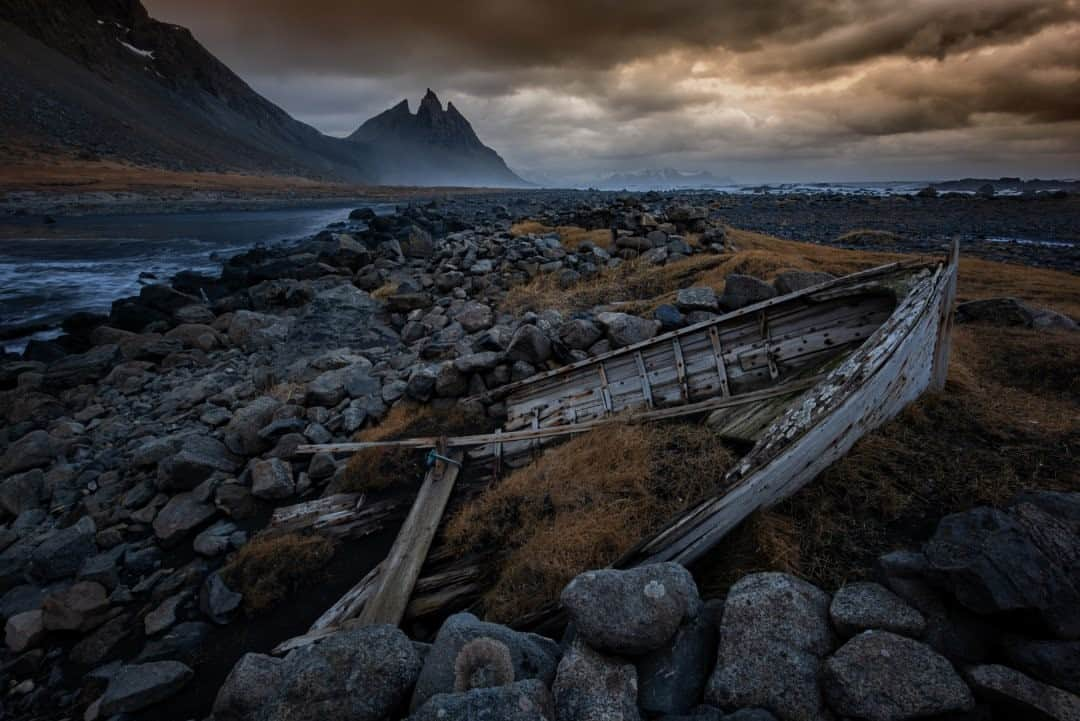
402 566
345 515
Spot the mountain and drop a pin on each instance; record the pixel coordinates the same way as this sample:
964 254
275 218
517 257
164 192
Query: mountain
661 179
431 147
103 78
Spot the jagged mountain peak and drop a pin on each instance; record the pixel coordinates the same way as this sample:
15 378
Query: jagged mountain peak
433 145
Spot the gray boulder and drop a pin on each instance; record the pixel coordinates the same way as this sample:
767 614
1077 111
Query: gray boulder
252 331
527 700
792 280
671 679
633 611
217 600
1008 690
1012 312
137 686
62 553
23 492
242 432
197 459
592 687
24 630
1022 559
534 657
361 674
858 607
33 450
744 290
475 317
774 632
82 368
689 299
880 676
623 329
272 479
80 607
579 334
180 516
1054 662
250 688
529 344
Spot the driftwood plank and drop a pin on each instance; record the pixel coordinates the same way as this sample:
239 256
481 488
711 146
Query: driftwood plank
402 566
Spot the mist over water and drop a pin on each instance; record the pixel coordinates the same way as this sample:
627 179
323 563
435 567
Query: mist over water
48 272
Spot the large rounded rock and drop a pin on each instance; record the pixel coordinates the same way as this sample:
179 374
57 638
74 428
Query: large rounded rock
197 459
250 688
362 674
529 344
62 553
33 450
860 607
180 516
880 676
527 700
744 290
1055 662
1021 559
242 431
579 334
272 479
80 607
633 611
689 299
533 656
592 687
774 633
137 686
1006 689
623 329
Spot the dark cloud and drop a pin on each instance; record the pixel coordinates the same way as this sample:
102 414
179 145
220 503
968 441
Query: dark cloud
773 88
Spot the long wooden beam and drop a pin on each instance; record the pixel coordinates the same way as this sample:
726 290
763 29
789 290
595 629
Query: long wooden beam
402 566
538 433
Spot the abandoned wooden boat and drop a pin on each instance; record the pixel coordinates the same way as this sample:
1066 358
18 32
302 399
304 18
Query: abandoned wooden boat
803 376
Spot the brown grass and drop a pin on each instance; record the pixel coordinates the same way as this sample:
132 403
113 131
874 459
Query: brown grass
571 236
378 468
269 570
384 291
582 505
1008 419
633 280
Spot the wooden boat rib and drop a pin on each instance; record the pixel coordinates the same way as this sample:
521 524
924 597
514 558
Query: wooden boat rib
811 372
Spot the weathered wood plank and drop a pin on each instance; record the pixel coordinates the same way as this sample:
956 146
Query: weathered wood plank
887 372
402 566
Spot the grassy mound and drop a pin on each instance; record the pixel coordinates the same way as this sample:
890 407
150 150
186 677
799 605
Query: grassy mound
582 505
268 570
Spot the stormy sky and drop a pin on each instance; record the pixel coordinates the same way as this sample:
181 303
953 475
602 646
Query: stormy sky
767 90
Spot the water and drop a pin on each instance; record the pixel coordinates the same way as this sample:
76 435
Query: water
48 272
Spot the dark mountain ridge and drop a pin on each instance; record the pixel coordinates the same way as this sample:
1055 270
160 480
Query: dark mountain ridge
432 147
102 79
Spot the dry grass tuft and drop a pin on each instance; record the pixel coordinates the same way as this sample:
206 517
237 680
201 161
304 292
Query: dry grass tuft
572 237
633 280
529 227
269 570
378 468
384 291
582 505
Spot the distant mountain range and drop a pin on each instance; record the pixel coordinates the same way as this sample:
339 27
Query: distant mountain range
103 79
660 179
